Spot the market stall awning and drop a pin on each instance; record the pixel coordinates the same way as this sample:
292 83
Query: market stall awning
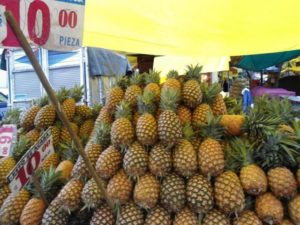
193 27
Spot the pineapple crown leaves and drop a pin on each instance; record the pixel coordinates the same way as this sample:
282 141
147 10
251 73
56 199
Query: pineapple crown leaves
21 147
96 110
173 74
146 102
136 79
194 72
102 134
152 77
277 149
121 81
210 92
42 101
188 132
169 98
123 110
239 154
12 117
212 129
62 94
68 151
76 93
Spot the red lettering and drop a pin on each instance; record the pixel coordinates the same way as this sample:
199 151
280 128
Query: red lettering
63 18
22 176
5 150
6 130
5 140
72 19
32 13
33 163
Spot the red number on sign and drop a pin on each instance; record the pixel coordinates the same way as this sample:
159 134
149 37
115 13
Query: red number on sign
14 7
63 18
72 19
5 150
5 140
32 13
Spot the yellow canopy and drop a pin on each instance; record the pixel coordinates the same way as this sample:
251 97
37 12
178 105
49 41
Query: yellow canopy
193 27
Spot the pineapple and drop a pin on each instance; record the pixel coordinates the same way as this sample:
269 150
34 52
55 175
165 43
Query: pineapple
6 165
152 83
185 217
65 167
33 135
146 191
69 196
101 134
294 209
86 128
173 196
239 157
45 117
114 96
55 131
51 161
122 132
130 214
108 162
247 218
184 155
286 222
269 209
184 114
160 160
282 182
233 124
215 217
218 106
229 195
105 116
199 116
133 90
146 127
135 161
54 214
64 134
210 153
83 111
191 91
119 188
27 117
199 194
91 195
169 127
103 216
172 81
4 193
68 106
158 216
12 207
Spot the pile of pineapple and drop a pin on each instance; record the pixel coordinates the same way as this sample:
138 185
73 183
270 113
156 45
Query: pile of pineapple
166 154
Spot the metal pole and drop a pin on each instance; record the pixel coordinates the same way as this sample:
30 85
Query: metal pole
51 94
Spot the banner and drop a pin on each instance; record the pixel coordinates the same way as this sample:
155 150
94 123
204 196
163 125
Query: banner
51 24
31 161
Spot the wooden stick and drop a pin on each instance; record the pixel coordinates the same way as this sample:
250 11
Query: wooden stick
39 71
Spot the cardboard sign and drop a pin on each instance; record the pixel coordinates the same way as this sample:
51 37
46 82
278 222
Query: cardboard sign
31 161
51 24
8 135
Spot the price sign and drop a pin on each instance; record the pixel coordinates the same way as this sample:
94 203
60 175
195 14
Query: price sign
8 134
31 161
51 24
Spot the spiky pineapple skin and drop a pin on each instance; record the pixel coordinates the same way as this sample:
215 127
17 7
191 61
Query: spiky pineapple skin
146 191
103 216
286 222
294 209
131 94
114 97
229 194
146 129
173 196
199 194
27 117
185 217
185 158
51 161
160 161
4 193
282 182
247 218
211 157
91 195
68 106
130 214
199 115
69 196
105 116
169 128
64 134
135 161
12 207
233 124
55 132
218 107
83 111
6 165
122 132
45 117
119 188
191 94
54 214
80 169
86 128
253 179
172 83
108 162
158 216
65 167
32 213
184 115
269 209
215 217
153 87
33 135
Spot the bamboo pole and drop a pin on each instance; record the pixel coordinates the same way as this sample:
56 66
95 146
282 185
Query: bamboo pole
51 94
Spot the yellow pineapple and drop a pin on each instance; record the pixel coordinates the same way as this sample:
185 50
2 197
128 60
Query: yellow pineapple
185 217
233 124
247 218
114 96
199 115
51 161
103 216
105 116
45 117
294 209
54 214
133 90
83 111
160 161
158 216
6 165
65 167
152 84
172 81
64 134
215 217
27 117
130 214
184 114
218 106
86 128
33 135
4 193
55 132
